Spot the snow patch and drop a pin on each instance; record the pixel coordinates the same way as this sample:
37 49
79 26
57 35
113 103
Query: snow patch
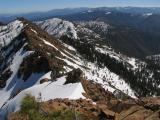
107 13
34 31
89 11
147 14
48 43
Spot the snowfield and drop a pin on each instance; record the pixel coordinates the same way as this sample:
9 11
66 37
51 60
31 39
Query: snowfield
46 91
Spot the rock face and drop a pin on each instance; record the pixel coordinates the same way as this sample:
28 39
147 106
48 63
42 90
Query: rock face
74 76
138 113
96 92
152 103
4 76
44 80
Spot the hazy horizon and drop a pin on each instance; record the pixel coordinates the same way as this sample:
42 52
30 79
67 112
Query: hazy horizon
41 11
28 6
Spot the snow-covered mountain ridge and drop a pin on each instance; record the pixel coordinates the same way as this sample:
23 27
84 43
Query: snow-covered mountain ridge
33 56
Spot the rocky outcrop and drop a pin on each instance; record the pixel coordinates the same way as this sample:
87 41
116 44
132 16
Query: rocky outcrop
44 80
152 103
96 92
4 77
85 107
138 113
74 76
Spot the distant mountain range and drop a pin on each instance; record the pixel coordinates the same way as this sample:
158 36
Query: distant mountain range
67 11
41 15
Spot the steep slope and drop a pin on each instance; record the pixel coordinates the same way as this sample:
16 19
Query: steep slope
92 46
95 72
143 68
128 39
29 53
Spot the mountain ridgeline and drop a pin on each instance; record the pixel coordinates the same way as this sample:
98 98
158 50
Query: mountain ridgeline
92 66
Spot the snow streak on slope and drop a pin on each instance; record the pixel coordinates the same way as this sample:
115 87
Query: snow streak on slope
9 32
58 27
109 80
68 58
47 43
45 91
14 84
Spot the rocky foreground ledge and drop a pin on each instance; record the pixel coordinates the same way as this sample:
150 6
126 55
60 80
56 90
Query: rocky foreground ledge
98 105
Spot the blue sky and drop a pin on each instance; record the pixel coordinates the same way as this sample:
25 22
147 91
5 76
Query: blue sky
23 6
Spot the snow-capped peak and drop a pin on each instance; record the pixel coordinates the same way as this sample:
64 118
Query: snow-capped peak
9 32
59 27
